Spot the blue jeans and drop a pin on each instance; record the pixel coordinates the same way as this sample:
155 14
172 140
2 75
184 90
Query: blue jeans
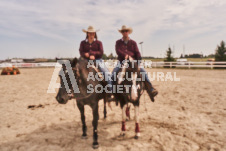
117 68
107 74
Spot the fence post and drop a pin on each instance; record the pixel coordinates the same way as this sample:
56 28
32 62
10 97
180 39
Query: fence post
170 64
189 65
211 65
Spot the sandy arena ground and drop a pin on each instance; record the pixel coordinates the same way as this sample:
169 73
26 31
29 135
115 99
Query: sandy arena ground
187 115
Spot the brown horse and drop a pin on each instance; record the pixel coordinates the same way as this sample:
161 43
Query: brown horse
80 73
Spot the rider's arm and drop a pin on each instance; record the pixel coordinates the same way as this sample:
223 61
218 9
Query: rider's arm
99 53
119 51
81 50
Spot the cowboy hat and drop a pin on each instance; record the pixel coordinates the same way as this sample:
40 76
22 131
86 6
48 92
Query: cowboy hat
124 27
90 29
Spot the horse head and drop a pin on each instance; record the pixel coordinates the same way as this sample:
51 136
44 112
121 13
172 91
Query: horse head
129 76
67 73
77 70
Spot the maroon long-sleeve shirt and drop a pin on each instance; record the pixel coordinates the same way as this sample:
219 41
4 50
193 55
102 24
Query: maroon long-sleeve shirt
130 49
94 49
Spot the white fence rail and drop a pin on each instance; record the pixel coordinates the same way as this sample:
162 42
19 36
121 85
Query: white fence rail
147 64
189 64
28 65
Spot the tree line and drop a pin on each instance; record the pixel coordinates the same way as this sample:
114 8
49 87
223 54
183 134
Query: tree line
220 54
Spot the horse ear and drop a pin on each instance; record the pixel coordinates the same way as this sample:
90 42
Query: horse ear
61 62
74 62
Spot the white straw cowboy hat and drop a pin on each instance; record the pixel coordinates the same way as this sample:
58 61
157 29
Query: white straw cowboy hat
124 27
90 29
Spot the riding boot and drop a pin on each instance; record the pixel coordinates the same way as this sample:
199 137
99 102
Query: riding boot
152 92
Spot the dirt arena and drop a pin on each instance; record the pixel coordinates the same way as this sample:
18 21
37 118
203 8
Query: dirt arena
187 115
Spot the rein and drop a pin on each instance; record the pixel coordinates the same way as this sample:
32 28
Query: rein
85 97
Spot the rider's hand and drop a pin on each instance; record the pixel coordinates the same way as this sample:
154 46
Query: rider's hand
92 57
126 57
87 55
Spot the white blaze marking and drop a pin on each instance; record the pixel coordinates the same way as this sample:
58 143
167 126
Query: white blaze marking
134 94
122 74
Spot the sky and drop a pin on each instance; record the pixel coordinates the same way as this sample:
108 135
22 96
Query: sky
53 28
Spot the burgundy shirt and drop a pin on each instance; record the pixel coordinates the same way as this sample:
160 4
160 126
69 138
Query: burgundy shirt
94 49
130 49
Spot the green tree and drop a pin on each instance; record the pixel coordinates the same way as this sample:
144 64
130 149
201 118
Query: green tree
211 56
181 56
169 56
104 56
110 56
220 54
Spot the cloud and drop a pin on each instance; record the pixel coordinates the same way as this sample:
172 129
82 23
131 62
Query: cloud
61 21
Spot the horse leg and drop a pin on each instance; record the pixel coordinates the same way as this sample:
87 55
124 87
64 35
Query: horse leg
84 127
137 128
123 129
95 124
105 109
128 113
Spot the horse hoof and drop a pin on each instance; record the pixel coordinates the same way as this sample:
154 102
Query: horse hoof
95 145
136 137
122 134
84 137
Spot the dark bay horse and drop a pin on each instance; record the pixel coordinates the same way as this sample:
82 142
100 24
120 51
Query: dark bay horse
129 78
80 72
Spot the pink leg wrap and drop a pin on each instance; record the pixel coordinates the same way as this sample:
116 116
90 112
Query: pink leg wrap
137 129
128 112
123 126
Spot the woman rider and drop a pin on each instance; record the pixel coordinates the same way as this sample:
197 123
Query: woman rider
92 49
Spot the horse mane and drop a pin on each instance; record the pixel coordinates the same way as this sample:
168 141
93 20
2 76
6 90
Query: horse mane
81 74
